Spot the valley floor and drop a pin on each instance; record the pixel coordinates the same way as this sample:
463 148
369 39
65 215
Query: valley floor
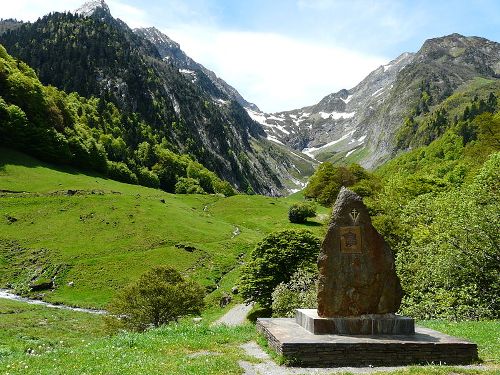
81 231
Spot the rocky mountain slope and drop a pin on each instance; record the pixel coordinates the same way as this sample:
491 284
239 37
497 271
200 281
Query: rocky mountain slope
360 124
194 116
171 51
9 24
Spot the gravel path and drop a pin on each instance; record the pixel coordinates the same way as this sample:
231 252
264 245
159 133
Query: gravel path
235 316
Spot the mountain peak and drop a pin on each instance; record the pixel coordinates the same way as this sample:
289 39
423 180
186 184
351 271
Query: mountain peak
92 7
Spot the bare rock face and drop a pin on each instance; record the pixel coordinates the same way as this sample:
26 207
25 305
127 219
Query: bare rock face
356 266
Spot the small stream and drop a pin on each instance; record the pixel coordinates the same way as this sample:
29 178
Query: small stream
6 294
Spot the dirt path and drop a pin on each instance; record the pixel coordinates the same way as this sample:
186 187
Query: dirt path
235 316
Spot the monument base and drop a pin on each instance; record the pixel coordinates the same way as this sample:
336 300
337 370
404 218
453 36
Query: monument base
370 324
426 346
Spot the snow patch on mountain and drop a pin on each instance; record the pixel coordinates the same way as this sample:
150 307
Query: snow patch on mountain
257 116
336 115
350 152
187 71
274 139
309 151
276 118
378 92
347 100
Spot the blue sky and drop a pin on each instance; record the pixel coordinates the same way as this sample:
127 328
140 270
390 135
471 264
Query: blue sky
284 54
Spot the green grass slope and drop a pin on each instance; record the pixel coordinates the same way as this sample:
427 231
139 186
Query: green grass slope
39 340
100 234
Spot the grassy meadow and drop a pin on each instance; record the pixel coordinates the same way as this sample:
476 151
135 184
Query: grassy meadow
99 234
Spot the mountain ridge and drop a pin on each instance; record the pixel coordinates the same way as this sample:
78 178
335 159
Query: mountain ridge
360 124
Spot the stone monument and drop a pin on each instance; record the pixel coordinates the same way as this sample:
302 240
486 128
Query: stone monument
359 291
359 294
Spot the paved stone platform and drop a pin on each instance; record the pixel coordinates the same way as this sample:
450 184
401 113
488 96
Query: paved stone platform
369 324
302 347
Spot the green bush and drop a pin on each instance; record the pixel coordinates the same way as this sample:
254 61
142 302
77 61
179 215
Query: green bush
300 211
298 293
274 260
158 297
188 185
224 187
324 185
119 171
147 178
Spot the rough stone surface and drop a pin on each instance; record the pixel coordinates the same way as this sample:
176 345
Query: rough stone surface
302 347
371 324
356 266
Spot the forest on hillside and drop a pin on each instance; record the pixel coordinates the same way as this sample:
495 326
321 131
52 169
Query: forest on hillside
92 134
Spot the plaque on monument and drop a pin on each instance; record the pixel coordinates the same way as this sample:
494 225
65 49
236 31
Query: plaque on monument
350 239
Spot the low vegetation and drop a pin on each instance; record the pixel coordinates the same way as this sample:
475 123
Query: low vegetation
159 297
58 348
300 211
45 227
274 261
38 340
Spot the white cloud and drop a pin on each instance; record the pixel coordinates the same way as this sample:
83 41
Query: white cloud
31 10
274 71
133 16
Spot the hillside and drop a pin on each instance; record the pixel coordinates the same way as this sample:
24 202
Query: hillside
107 60
360 124
46 225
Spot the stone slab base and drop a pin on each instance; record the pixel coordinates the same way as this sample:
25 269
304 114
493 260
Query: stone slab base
372 324
426 346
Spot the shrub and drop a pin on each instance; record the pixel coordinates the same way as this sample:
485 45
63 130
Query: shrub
324 185
224 187
274 260
298 293
188 185
160 296
299 212
147 178
119 171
